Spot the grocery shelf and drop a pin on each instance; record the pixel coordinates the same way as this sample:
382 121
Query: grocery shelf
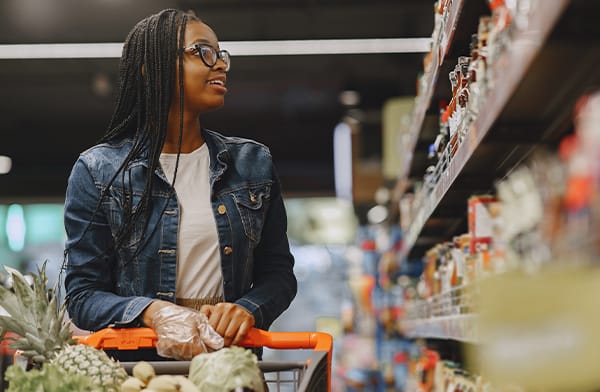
460 327
516 69
423 100
522 102
447 315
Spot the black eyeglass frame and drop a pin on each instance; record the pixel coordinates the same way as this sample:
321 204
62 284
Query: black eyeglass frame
218 54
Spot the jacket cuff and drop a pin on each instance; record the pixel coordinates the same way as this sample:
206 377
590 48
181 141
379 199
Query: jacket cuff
253 308
132 316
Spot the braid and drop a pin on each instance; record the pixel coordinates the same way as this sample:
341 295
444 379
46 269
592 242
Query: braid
181 95
147 75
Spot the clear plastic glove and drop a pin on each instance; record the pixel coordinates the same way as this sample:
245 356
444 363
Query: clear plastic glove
183 333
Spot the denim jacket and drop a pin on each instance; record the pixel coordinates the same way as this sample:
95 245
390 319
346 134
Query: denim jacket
107 287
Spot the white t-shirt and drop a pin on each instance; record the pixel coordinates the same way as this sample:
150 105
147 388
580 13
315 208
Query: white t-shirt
198 260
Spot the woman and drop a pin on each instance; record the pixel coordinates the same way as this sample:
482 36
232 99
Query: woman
164 216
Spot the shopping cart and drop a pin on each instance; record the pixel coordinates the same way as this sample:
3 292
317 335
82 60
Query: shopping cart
312 375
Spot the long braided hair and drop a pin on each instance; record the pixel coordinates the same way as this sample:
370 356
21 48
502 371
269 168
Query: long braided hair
147 76
147 73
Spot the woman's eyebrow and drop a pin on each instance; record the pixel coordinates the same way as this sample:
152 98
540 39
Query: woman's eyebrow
200 41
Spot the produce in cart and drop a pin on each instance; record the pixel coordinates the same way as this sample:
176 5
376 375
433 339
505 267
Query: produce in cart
56 363
145 379
227 370
45 339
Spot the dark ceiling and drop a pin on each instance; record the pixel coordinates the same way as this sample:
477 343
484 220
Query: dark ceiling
51 110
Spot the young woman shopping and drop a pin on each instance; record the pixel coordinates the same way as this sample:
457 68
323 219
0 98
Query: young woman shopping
169 224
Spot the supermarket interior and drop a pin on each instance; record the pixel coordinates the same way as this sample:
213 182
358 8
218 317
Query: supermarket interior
435 158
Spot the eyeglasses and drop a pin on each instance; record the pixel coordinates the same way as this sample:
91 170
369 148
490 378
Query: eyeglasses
210 55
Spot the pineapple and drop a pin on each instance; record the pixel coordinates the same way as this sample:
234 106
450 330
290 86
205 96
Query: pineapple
45 336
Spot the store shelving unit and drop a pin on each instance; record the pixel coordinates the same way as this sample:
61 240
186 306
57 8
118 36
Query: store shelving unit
550 63
460 327
551 59
444 316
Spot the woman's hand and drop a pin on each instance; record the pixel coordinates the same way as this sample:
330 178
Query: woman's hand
230 321
182 332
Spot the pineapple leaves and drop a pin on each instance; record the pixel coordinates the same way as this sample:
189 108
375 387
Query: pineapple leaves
34 316
42 333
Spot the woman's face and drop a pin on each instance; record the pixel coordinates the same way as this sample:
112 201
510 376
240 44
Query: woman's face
204 87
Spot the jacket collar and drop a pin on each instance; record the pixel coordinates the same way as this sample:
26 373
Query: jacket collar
218 152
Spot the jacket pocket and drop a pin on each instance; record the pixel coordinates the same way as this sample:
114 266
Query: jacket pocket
252 204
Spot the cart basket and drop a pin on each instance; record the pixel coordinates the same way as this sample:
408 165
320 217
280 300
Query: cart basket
313 375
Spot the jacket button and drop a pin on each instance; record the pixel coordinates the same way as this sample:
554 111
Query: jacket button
221 209
227 250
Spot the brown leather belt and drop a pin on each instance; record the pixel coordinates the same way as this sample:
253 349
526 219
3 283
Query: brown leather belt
196 303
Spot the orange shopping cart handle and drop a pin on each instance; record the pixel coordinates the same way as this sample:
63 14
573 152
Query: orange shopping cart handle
136 338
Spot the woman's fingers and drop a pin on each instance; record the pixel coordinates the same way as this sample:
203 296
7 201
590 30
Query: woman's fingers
231 321
242 332
207 310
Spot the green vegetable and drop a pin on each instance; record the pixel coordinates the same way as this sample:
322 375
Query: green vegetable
225 370
50 378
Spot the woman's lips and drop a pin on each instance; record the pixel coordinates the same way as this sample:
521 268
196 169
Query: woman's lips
218 84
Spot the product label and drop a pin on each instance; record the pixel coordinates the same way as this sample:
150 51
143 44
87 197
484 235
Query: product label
483 221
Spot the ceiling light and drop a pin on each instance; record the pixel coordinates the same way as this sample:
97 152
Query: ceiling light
342 160
349 98
236 48
328 46
61 51
15 227
101 85
5 164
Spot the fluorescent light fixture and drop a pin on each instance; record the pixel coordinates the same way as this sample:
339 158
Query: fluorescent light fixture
61 51
5 164
236 48
328 46
342 160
